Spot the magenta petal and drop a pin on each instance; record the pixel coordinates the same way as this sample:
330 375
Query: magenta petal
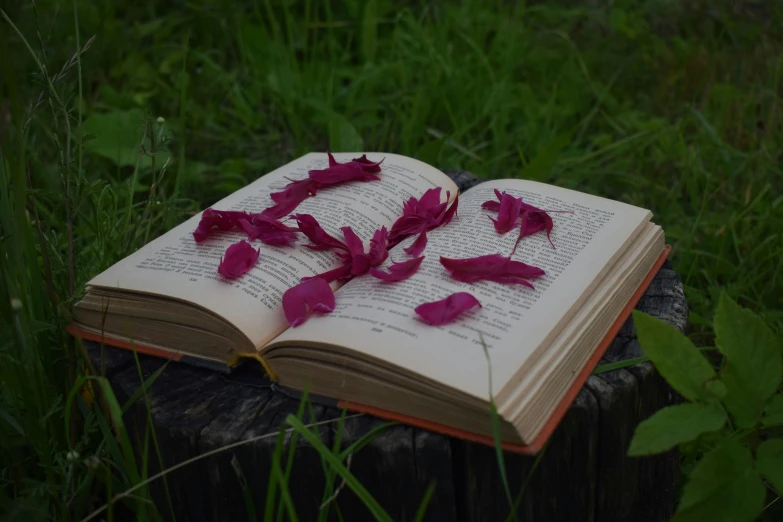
268 230
446 218
493 267
430 198
318 236
398 271
289 198
239 258
418 246
446 310
314 294
367 165
354 243
535 221
342 173
341 272
223 219
508 213
378 247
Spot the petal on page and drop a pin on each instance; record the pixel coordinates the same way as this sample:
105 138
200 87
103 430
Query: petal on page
535 221
289 198
341 272
318 236
223 219
508 213
239 258
446 310
311 296
367 165
398 271
268 230
342 173
378 247
418 246
446 218
425 213
493 267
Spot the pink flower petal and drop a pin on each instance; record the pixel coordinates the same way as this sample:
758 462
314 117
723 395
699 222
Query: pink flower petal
239 258
446 310
342 173
318 236
425 213
378 250
289 198
223 219
493 267
508 213
268 230
398 271
367 165
418 246
535 221
311 296
341 272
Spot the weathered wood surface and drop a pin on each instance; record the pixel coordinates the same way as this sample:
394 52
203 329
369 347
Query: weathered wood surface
583 475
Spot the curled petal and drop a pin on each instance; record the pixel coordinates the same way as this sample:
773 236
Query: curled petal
422 214
430 198
268 230
367 165
398 271
493 267
312 295
406 226
418 246
446 218
342 173
223 219
318 236
239 258
446 310
289 198
508 213
378 247
535 221
354 243
341 272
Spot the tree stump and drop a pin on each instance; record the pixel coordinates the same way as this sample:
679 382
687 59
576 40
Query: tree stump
582 475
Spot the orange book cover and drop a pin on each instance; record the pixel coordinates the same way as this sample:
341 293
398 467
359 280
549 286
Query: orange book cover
529 449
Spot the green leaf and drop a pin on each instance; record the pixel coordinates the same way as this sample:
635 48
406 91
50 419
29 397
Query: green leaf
773 413
430 151
769 462
546 157
753 367
343 136
675 357
724 487
370 31
674 425
117 135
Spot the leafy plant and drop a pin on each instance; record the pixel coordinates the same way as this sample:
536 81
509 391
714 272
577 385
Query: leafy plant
731 414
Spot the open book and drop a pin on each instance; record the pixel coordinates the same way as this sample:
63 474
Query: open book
372 352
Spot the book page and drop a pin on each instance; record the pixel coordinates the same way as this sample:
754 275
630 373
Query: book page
377 318
175 266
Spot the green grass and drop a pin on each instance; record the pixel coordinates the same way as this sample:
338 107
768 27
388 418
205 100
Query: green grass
674 106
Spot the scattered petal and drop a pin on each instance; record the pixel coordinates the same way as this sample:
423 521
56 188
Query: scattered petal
508 213
223 219
318 236
289 198
493 267
398 271
367 165
446 310
341 272
535 221
342 173
268 230
311 296
423 214
418 246
378 250
239 258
